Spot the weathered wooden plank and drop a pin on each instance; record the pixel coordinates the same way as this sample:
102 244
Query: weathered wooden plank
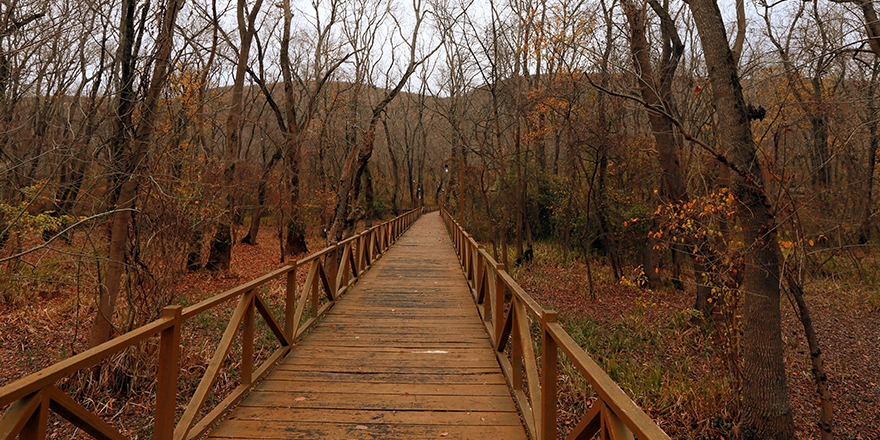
400 362
389 369
486 378
306 415
241 429
356 388
401 355
390 401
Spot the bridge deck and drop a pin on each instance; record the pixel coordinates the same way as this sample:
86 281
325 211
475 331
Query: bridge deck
402 355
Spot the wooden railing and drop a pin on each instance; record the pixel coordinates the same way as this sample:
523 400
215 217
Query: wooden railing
508 313
332 270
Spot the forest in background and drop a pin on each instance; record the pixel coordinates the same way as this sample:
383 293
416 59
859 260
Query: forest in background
650 144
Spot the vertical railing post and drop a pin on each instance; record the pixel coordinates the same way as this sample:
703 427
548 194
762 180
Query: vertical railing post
516 349
166 377
344 265
247 339
380 241
290 305
489 298
461 249
315 290
363 251
549 371
478 280
500 290
331 267
371 245
468 255
469 268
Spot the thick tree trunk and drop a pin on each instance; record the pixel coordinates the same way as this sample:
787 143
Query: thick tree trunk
766 410
351 173
520 194
872 24
867 227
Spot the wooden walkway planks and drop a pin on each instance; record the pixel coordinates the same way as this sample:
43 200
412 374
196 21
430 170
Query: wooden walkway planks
402 355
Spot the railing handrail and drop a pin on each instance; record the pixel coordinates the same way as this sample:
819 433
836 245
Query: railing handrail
25 396
614 413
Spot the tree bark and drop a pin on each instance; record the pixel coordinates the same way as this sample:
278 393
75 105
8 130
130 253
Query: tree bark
766 410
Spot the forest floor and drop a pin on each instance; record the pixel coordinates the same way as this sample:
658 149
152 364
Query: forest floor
677 366
53 323
674 365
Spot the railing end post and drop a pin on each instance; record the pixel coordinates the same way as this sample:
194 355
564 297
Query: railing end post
169 368
173 311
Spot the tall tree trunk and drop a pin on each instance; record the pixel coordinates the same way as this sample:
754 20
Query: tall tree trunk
220 256
519 195
295 243
131 152
657 93
867 226
766 410
369 210
395 173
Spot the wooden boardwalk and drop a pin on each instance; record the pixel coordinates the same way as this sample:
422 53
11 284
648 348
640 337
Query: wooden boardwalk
404 354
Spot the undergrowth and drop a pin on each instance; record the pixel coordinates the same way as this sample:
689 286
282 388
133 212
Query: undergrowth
665 369
652 344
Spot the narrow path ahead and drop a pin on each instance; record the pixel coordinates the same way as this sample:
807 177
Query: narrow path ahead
402 355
